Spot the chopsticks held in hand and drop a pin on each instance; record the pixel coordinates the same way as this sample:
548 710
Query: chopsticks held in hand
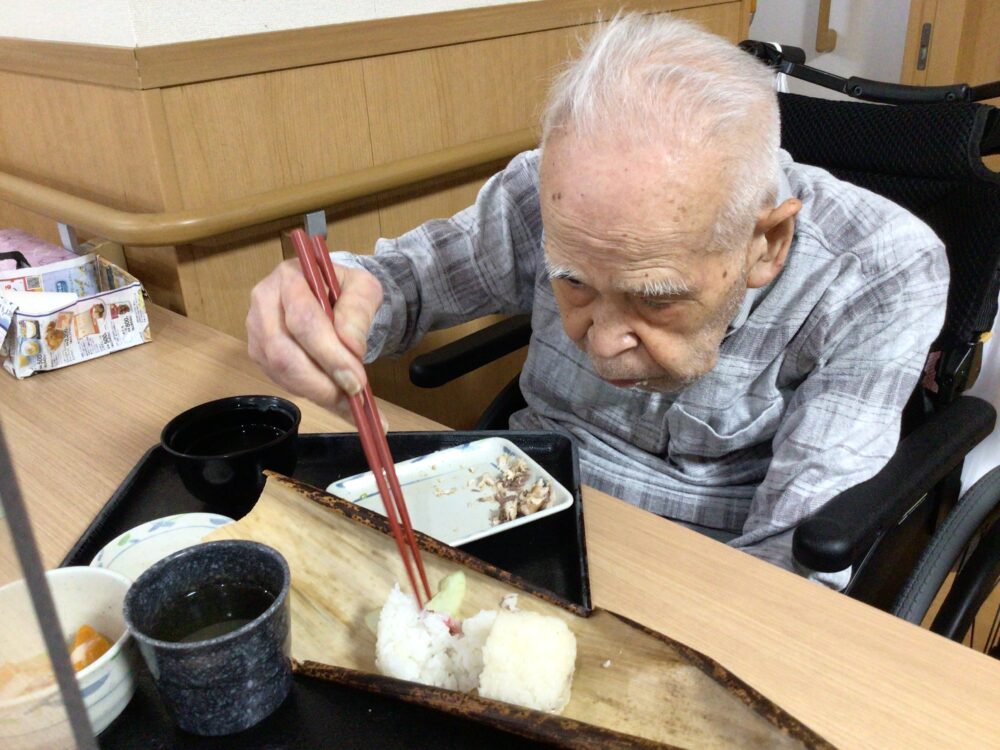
322 280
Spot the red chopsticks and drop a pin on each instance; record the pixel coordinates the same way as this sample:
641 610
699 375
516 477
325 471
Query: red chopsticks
322 280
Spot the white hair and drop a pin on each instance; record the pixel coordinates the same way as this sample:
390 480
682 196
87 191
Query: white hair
657 79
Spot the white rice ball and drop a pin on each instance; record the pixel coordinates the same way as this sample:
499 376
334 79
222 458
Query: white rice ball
518 657
528 659
414 645
468 648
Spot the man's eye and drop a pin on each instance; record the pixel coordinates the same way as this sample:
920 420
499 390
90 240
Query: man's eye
575 283
656 303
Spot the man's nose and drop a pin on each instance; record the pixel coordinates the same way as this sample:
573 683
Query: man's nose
610 333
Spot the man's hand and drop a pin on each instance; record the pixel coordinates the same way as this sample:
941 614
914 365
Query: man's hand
292 340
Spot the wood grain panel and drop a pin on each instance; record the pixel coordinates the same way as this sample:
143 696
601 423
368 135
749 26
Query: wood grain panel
90 140
28 221
236 137
159 268
431 99
92 63
93 141
187 62
240 136
725 19
218 274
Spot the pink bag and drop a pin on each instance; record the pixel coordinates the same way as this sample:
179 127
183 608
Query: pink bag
36 252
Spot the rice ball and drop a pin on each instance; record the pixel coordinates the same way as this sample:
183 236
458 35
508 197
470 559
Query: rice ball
414 645
516 656
467 656
528 659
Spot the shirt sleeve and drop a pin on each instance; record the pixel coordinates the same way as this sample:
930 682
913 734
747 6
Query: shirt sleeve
842 423
481 261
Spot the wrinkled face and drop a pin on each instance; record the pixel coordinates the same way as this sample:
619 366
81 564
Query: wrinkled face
627 242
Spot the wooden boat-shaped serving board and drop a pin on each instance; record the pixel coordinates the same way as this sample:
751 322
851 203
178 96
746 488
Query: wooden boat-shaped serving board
655 692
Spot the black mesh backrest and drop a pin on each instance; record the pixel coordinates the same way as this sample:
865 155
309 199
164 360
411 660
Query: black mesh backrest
927 159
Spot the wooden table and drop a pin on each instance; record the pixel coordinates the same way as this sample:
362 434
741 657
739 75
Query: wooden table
859 677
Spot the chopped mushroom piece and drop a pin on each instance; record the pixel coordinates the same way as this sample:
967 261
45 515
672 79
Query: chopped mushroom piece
512 490
508 510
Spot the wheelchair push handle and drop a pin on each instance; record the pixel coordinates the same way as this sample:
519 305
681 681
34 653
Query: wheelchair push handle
791 61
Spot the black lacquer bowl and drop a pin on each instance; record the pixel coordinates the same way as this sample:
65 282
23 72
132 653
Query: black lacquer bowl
222 448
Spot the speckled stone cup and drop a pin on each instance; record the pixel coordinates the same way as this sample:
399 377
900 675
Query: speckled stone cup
226 684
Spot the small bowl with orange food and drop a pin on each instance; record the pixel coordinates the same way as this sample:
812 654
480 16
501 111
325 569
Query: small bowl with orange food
89 604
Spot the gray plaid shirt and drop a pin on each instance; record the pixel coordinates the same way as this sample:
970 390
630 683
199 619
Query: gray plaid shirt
806 397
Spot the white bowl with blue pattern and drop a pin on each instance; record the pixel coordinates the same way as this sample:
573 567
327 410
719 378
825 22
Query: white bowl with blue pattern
131 553
82 596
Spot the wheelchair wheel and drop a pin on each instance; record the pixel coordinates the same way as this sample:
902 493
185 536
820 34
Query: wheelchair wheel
958 575
970 611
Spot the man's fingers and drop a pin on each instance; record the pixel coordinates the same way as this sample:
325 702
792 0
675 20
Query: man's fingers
289 367
360 297
290 336
308 326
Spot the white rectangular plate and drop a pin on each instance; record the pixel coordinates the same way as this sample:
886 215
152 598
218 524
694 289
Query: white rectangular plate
438 496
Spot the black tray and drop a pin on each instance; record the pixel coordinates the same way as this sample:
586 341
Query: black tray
549 552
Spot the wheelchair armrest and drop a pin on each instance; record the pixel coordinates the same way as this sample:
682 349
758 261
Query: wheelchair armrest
841 532
444 364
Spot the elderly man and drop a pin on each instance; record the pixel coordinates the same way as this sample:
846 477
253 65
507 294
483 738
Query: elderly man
729 336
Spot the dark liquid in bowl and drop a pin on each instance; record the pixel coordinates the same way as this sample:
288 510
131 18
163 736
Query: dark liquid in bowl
235 438
211 611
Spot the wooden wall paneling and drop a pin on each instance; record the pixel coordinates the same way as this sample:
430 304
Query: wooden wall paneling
163 149
724 19
111 251
951 23
28 221
188 62
159 268
93 63
223 270
429 99
91 140
236 137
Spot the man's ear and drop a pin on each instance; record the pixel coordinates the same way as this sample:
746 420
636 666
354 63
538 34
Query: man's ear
772 236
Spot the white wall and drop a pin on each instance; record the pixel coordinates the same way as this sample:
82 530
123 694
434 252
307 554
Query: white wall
93 21
143 23
871 35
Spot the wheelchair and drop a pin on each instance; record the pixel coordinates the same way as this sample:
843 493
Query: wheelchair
906 530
